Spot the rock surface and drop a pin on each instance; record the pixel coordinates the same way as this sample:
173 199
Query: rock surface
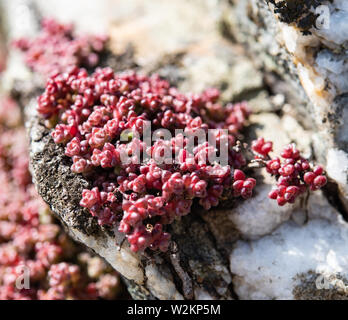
310 56
274 266
216 254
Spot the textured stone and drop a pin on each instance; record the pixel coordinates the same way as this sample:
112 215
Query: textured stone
313 63
270 268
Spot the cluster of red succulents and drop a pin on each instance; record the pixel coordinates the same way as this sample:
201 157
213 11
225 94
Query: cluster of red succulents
294 174
91 114
243 186
57 48
30 237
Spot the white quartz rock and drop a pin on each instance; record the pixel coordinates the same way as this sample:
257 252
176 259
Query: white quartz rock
260 215
335 68
337 166
337 169
267 268
318 207
336 29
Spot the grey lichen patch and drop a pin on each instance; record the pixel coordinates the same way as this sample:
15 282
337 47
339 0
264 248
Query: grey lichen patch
315 286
